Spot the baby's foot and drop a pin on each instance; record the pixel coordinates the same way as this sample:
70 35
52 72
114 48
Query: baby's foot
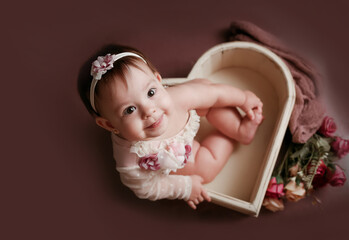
248 127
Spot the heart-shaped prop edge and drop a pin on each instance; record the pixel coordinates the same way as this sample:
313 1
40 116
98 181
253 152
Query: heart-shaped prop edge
245 55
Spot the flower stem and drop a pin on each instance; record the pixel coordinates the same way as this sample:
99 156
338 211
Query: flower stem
284 159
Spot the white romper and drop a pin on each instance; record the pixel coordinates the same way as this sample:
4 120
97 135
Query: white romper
149 163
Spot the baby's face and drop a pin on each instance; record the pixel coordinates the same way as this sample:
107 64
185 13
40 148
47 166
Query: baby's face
139 109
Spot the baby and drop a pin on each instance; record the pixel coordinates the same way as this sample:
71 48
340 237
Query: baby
153 126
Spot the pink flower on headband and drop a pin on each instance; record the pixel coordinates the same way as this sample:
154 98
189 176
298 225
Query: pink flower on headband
101 66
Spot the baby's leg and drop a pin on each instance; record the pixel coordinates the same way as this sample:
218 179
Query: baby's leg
214 151
210 156
232 124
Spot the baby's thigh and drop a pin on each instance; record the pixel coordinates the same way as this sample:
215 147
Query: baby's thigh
201 162
194 150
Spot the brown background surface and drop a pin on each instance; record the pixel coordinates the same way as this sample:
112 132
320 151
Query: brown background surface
57 173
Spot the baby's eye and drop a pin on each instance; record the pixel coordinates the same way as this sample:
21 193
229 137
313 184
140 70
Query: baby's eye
151 92
129 110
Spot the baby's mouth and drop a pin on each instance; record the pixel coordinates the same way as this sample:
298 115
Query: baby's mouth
156 123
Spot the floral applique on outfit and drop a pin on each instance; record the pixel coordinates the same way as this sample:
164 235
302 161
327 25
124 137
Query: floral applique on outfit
171 158
149 163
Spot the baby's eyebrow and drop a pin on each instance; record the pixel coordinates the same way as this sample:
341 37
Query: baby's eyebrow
120 107
146 86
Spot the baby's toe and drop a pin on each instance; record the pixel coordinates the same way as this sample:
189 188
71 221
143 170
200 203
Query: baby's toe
257 110
258 118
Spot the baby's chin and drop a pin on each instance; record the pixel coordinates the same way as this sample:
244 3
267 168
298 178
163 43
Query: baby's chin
155 135
144 135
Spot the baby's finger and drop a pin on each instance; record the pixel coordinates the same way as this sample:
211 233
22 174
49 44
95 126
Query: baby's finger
191 204
206 196
250 114
258 110
200 198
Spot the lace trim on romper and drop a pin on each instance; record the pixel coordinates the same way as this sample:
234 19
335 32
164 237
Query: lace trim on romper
154 185
171 153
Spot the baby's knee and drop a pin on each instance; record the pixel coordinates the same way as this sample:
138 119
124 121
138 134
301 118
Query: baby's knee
208 178
207 175
205 165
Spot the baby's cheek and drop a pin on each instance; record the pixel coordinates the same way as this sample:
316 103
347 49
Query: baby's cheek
130 130
166 103
136 131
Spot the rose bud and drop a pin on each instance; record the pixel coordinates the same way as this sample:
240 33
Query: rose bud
275 190
294 193
328 127
340 146
337 178
273 204
319 179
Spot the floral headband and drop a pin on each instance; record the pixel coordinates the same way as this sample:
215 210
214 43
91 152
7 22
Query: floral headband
101 66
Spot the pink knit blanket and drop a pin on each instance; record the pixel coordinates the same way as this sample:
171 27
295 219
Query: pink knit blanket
308 112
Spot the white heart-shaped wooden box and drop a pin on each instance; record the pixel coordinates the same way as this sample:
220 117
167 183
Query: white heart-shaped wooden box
242 184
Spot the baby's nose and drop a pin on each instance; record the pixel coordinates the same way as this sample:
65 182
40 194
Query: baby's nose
148 110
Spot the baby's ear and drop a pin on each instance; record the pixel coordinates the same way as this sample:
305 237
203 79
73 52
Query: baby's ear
104 123
158 76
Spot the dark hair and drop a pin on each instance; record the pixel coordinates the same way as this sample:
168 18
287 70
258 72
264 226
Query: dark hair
119 69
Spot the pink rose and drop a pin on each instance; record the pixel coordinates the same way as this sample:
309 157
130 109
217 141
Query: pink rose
273 204
337 178
320 179
149 162
187 152
340 146
275 190
328 127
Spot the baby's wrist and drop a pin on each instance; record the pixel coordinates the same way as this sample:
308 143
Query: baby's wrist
188 187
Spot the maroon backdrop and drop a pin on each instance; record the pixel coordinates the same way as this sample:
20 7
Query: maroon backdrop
58 179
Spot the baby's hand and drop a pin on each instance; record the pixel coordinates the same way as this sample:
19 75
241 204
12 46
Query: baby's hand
198 193
252 105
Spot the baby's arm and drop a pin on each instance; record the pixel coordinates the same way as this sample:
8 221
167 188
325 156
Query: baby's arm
147 185
202 94
154 186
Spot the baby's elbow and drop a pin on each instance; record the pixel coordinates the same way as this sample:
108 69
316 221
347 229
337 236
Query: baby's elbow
144 194
203 81
208 177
